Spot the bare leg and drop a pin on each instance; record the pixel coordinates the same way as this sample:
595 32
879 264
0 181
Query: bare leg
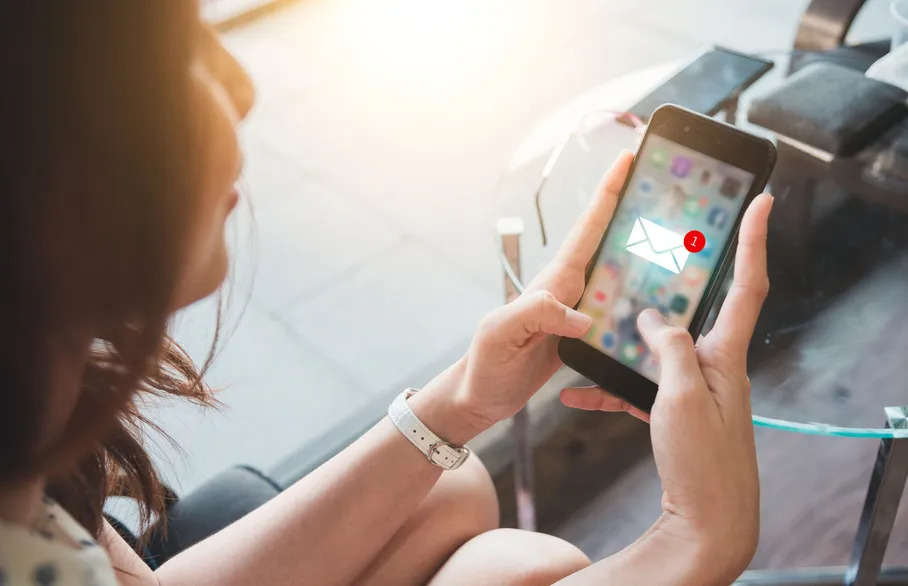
511 557
460 506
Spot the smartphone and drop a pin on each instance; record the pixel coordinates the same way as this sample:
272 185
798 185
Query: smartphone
668 244
706 84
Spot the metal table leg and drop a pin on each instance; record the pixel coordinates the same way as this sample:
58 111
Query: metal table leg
881 504
880 507
509 230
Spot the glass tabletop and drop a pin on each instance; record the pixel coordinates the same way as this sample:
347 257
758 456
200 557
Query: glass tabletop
830 351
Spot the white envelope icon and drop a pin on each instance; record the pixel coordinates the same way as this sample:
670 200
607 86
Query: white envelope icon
658 245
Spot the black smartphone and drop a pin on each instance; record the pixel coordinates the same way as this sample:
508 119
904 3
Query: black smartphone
668 245
705 84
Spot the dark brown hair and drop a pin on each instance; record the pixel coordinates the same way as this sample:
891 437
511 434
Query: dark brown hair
101 146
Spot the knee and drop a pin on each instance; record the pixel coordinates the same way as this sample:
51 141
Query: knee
539 558
517 558
468 496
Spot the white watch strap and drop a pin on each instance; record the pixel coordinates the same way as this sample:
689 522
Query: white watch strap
439 452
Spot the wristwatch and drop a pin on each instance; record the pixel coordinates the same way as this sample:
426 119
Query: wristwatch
441 453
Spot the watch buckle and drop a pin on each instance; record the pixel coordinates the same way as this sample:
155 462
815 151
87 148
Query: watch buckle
462 454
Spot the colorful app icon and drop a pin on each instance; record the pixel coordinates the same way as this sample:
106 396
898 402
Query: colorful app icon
679 304
631 352
590 336
694 277
681 166
600 295
612 269
658 158
708 250
608 340
731 187
692 207
717 218
646 185
656 291
705 177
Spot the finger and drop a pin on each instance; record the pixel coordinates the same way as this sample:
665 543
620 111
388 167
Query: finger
584 237
736 321
674 348
597 399
534 313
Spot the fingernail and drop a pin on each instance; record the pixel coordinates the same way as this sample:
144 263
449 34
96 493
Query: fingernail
651 318
577 320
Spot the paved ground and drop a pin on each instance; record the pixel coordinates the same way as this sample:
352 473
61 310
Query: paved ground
373 158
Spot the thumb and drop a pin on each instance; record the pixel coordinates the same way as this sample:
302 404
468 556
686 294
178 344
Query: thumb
538 312
673 346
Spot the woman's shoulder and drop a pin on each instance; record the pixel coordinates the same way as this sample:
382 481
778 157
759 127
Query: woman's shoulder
53 551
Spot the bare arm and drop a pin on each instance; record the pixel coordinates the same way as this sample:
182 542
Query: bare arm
327 527
659 558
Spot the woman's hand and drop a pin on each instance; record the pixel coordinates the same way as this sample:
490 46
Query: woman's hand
514 350
701 428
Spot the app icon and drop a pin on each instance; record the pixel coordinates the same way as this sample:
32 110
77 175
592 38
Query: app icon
717 218
681 166
692 207
631 352
612 270
731 187
658 245
694 277
658 158
599 295
646 184
608 340
679 304
655 291
623 309
708 250
705 177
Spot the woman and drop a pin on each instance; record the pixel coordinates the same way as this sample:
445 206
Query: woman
119 161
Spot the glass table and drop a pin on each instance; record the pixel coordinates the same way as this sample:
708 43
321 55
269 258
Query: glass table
829 355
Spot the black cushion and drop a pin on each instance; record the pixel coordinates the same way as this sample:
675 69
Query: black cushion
857 57
832 108
216 504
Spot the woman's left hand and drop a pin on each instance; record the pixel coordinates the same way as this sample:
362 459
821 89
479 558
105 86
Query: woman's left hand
514 351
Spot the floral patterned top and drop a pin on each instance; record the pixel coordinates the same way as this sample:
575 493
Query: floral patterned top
54 551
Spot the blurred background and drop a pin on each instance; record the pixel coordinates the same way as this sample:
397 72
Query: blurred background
365 253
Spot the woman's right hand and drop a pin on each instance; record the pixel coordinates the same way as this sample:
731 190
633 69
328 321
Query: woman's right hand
701 428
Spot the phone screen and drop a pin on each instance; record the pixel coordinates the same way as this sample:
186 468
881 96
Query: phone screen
704 85
677 201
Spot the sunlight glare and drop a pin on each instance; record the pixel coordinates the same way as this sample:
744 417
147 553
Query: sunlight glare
436 48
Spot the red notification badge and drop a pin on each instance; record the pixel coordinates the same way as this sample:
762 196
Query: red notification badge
694 241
